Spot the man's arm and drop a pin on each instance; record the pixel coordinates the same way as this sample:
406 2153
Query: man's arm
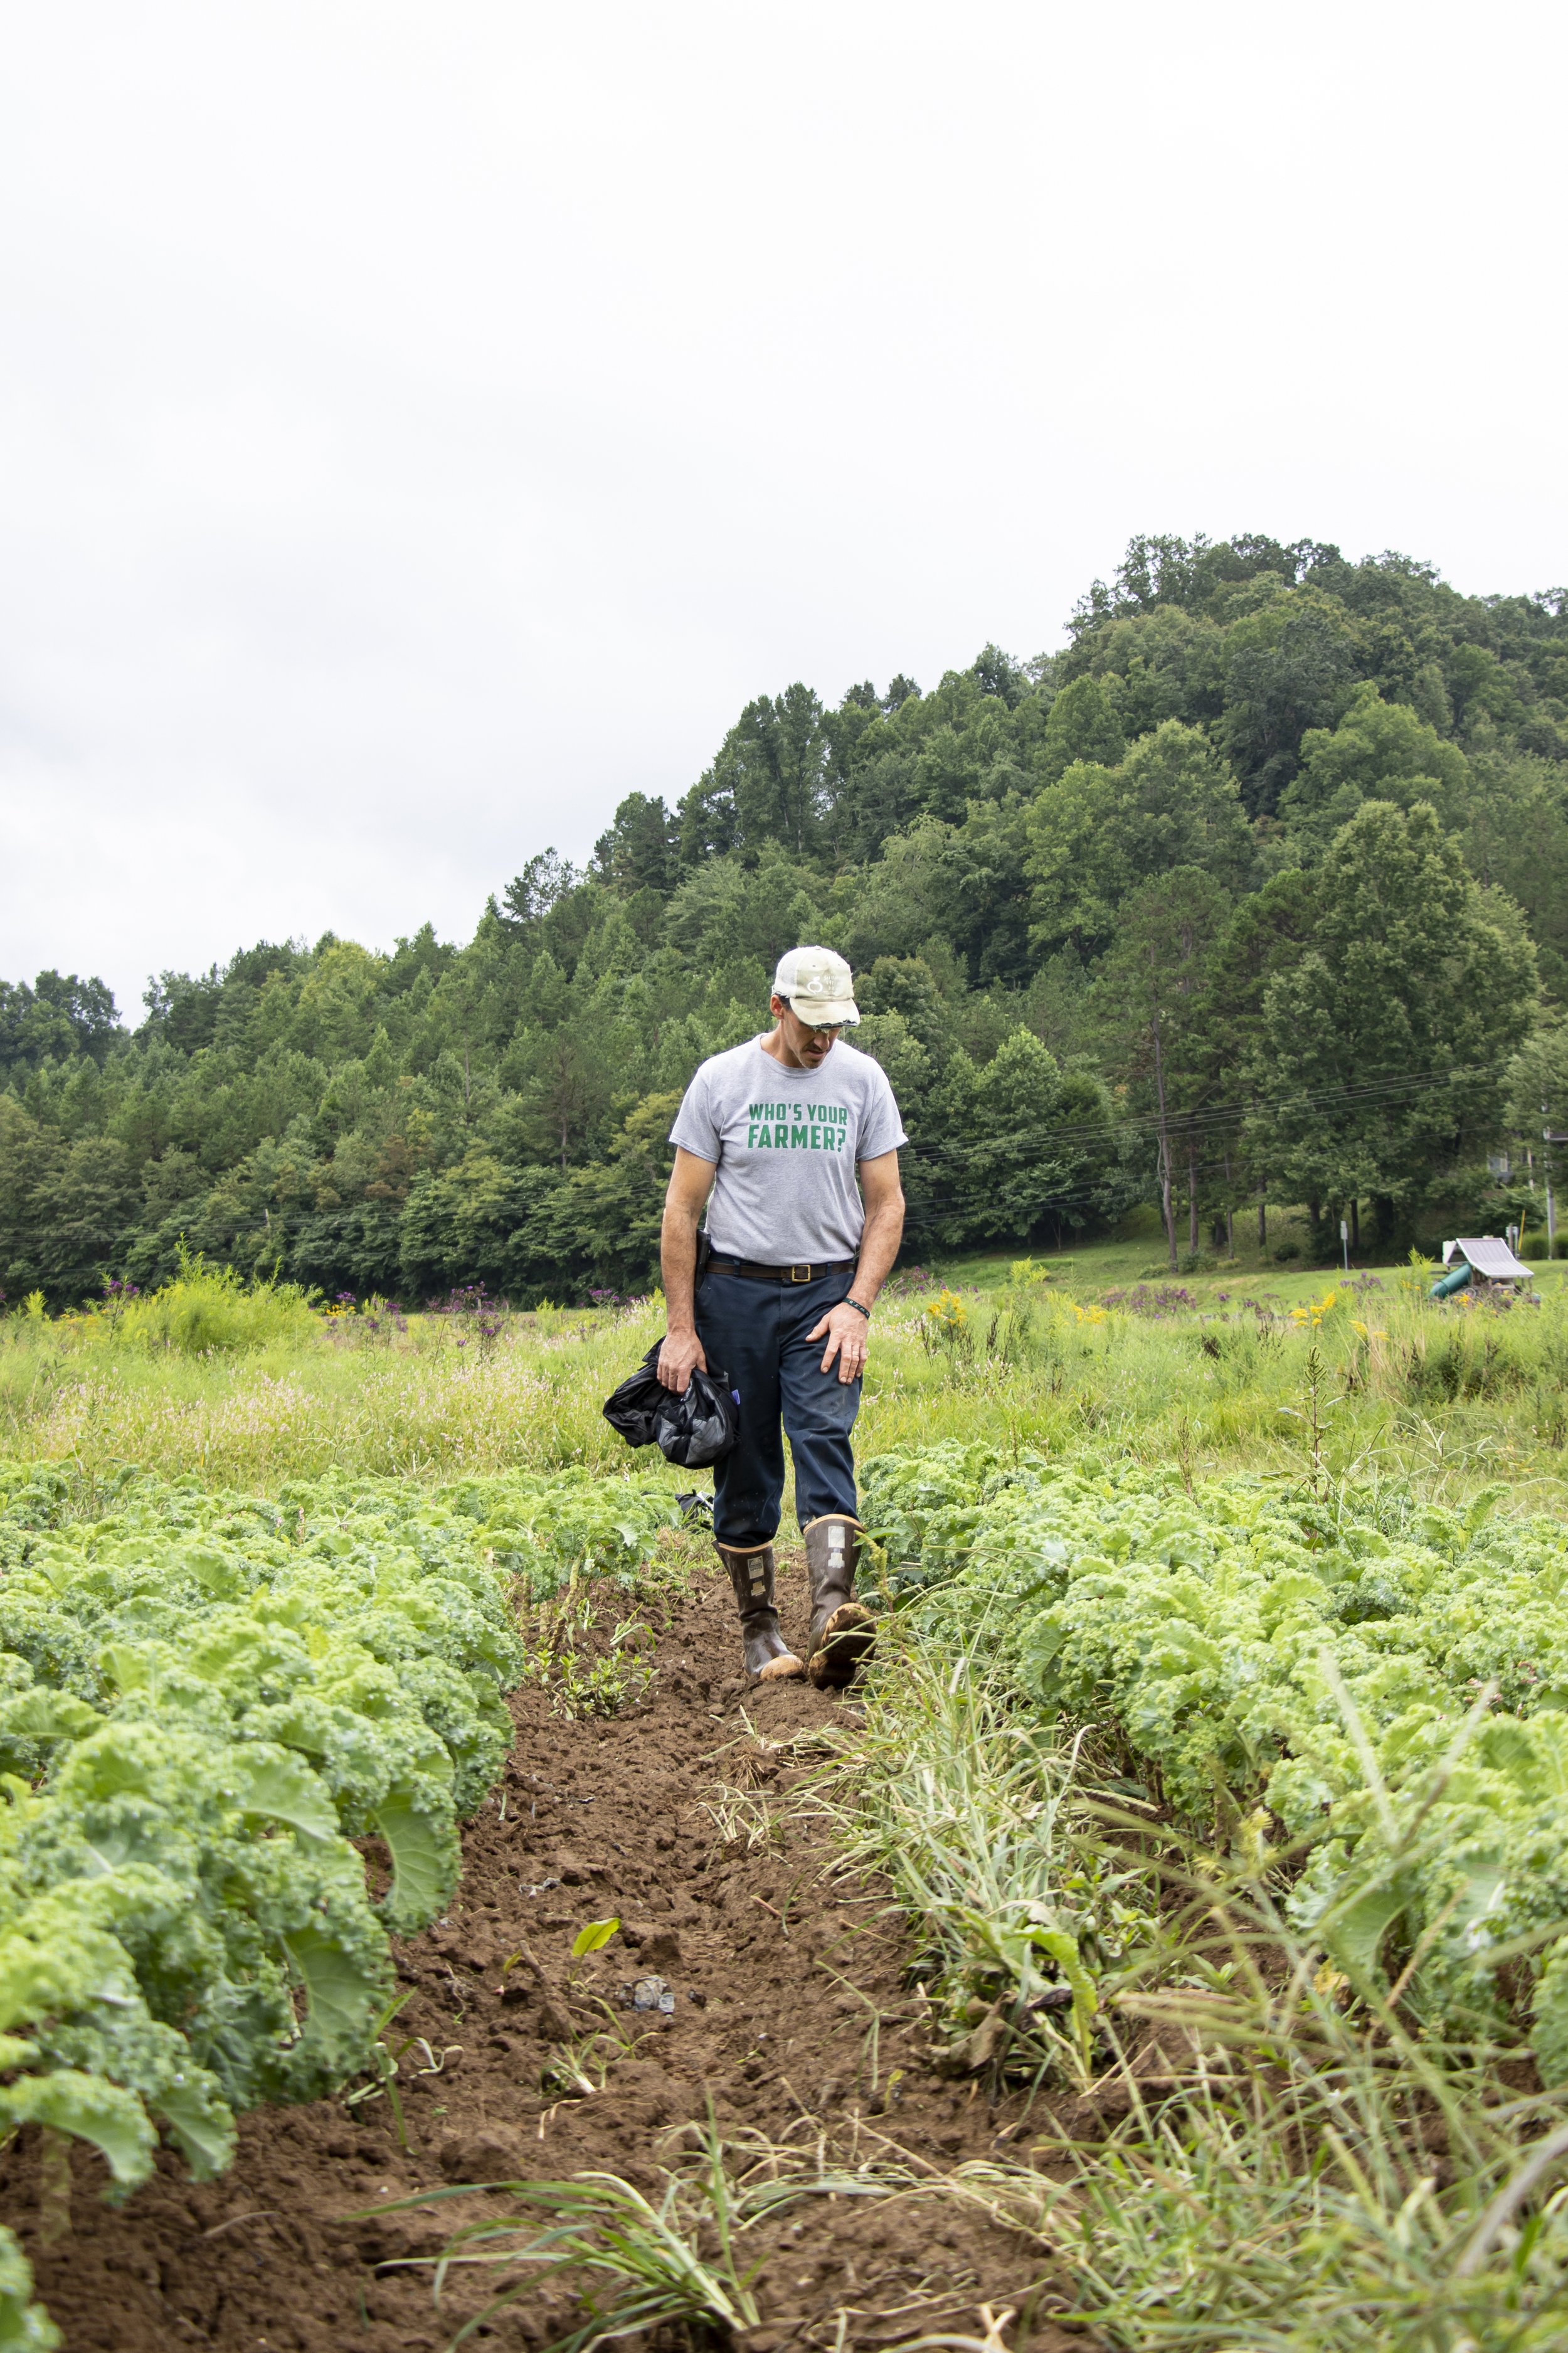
690 1182
848 1329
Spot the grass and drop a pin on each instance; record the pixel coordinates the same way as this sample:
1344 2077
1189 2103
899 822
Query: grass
1309 2176
425 1403
1137 1252
639 2265
1206 1373
1296 2169
1446 1397
964 1809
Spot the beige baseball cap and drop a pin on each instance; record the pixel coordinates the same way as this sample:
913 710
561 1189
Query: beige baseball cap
817 986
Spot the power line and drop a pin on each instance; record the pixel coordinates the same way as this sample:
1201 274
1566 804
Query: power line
1193 1123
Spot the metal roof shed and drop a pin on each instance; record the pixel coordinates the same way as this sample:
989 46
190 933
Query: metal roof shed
1493 1260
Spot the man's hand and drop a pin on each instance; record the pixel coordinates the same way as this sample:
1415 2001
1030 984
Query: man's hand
680 1357
845 1328
690 1182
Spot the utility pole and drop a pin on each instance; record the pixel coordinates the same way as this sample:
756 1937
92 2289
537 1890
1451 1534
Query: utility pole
1548 1137
1166 1210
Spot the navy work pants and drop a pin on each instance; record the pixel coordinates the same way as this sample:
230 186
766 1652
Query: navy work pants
755 1329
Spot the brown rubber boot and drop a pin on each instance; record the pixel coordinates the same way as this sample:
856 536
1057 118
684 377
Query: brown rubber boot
842 1632
751 1569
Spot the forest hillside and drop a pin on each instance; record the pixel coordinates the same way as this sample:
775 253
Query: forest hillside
1256 891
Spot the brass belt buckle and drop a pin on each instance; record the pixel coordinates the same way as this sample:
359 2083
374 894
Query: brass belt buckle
800 1274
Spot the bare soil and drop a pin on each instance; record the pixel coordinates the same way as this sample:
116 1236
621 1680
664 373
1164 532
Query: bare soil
780 1972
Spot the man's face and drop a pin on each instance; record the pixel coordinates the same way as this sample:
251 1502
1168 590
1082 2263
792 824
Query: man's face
808 1048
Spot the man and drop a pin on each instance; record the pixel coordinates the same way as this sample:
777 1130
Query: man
791 1141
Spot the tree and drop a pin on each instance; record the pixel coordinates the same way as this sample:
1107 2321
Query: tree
997 673
308 1108
638 852
335 1011
59 1016
544 882
64 1209
771 781
1161 569
1266 934
1515 836
1152 993
1537 1111
1164 664
1289 667
907 986
731 921
469 1223
1382 1050
184 1008
1081 725
605 1218
1380 751
568 1083
1100 832
1022 1147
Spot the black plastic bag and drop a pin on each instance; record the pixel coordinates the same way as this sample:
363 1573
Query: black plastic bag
694 1429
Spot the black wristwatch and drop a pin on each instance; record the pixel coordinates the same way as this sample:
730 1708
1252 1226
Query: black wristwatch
858 1309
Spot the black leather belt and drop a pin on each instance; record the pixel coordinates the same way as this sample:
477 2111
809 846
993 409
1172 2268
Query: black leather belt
798 1273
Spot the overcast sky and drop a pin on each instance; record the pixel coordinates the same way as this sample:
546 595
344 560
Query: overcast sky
422 425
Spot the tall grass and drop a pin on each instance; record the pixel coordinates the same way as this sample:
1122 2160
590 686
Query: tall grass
1299 2170
1260 2153
966 1809
419 1396
252 1387
205 1311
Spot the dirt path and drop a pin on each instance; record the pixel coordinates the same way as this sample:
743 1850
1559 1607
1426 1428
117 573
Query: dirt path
777 1973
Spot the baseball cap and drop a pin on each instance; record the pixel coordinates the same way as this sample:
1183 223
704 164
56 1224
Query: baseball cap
817 986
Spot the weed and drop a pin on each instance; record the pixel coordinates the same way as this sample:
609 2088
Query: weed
581 2065
383 2070
1311 2179
1459 1362
652 2265
1309 1414
944 1331
968 1812
558 1659
206 1310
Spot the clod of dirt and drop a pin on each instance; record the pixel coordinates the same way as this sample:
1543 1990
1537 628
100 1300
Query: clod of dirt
496 2153
657 1948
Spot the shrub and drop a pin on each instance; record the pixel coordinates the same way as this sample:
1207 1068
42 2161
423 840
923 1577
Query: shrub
206 1310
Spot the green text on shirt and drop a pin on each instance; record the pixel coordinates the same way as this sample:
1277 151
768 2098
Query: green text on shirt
804 1127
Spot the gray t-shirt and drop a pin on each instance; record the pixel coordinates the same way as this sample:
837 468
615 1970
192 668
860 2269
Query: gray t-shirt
786 1143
